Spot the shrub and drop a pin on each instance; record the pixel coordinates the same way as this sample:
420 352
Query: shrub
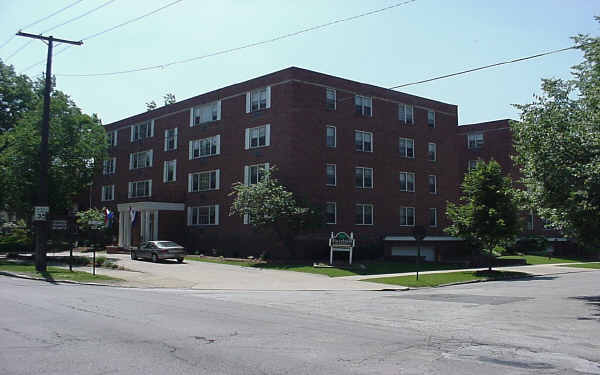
18 239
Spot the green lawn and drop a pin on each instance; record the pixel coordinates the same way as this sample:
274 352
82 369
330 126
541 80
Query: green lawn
53 273
584 265
436 279
537 259
370 268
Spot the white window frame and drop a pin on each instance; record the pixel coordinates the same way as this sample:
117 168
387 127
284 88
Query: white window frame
362 134
249 136
404 152
130 190
327 99
112 138
406 216
432 113
530 221
168 137
213 109
327 166
166 165
473 141
250 95
196 145
362 206
190 215
136 135
327 136
435 224
135 157
406 178
362 101
105 189
109 166
429 151
327 204
472 164
248 169
363 178
403 111
217 180
434 184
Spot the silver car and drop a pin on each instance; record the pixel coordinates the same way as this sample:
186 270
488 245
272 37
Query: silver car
157 250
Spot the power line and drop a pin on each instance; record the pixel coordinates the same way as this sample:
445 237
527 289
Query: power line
59 25
41 20
108 30
485 67
249 45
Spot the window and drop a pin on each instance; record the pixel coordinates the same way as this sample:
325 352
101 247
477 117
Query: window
364 177
363 105
170 171
108 193
203 215
201 148
431 119
364 214
254 173
407 148
331 213
472 164
331 174
407 181
141 131
363 141
433 217
112 138
407 216
206 113
405 113
109 166
139 189
475 140
432 184
330 98
258 137
140 159
171 139
330 136
258 99
432 151
204 181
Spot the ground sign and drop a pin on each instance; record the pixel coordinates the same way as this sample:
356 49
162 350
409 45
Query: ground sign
341 242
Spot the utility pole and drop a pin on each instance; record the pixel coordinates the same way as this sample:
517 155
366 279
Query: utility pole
41 209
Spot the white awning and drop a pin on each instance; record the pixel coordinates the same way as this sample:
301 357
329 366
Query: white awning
427 238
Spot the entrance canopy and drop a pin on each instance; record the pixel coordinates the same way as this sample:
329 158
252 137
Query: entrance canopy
147 213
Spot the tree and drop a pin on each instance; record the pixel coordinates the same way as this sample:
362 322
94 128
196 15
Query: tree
557 145
489 215
169 98
271 207
151 105
17 97
77 146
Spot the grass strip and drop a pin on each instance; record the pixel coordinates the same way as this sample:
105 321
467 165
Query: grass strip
53 273
538 259
584 265
436 279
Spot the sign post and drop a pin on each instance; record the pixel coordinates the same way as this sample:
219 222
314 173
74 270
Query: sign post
95 226
419 233
341 242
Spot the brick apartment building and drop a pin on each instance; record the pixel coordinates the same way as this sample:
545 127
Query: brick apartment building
377 161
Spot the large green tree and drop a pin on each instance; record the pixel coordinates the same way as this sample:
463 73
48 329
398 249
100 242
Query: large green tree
489 213
557 146
77 146
17 96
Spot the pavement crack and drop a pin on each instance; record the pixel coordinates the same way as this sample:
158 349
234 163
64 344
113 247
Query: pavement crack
206 340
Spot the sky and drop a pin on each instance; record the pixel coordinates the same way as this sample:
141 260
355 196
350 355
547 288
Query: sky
412 42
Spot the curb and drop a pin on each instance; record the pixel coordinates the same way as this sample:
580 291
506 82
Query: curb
27 277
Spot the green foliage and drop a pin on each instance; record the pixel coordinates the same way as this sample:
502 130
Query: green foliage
489 215
557 145
77 146
17 239
17 97
84 217
270 206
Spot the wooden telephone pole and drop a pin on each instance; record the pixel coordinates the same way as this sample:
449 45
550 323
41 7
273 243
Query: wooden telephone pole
41 208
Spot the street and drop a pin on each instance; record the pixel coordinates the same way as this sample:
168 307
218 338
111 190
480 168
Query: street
544 325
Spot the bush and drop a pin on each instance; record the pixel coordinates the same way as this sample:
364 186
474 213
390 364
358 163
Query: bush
530 244
17 240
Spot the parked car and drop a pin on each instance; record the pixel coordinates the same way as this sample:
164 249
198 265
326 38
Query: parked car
157 250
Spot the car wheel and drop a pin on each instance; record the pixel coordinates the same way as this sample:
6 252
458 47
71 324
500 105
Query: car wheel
133 255
179 260
154 258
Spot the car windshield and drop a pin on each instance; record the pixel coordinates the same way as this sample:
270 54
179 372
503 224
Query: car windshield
166 244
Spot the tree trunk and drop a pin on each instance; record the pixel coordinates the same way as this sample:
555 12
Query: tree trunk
490 258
